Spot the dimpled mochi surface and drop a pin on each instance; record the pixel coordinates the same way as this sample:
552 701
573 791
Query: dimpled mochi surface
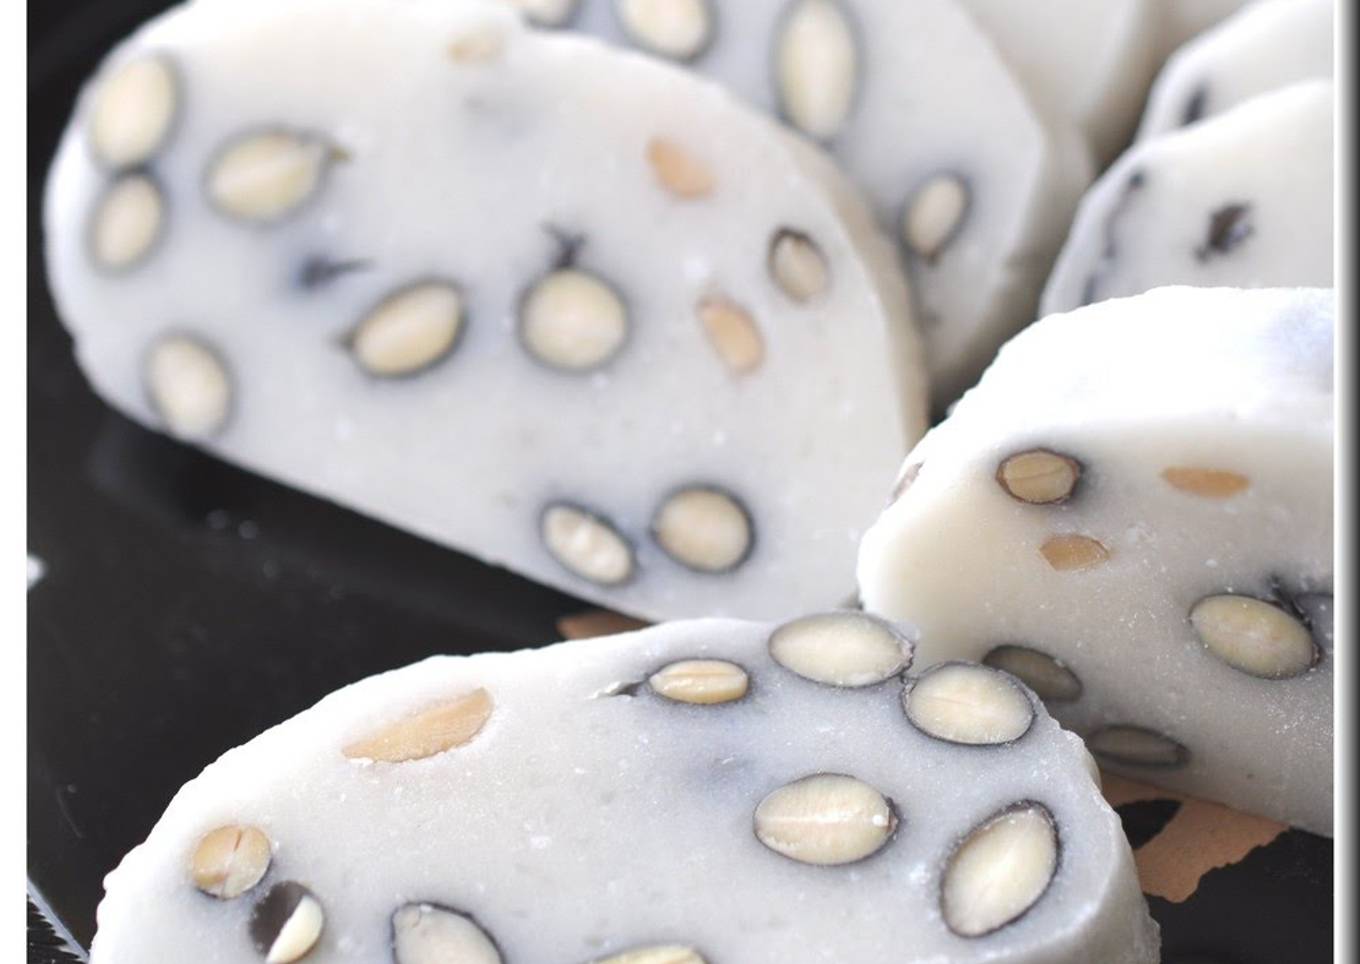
1242 199
1089 63
549 303
704 791
918 106
1133 511
1268 45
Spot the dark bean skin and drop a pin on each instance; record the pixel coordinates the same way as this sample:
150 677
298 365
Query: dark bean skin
274 910
1229 227
1194 106
904 482
1109 251
569 244
319 271
1303 604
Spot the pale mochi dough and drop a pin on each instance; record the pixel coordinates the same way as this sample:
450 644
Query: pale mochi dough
1199 422
589 816
1243 199
746 371
921 110
1268 45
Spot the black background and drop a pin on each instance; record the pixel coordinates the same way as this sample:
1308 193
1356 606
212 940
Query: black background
187 605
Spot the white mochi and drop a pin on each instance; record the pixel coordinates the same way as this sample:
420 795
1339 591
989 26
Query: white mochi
1200 422
556 306
588 816
1268 45
1243 199
901 95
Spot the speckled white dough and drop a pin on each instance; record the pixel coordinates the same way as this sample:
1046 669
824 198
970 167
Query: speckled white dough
1233 381
1090 63
1268 45
578 825
1243 199
932 96
487 155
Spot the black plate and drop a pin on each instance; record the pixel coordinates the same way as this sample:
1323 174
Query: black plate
187 605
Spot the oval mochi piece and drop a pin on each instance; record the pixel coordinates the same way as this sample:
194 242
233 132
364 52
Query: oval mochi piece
1243 199
1268 45
1090 64
1194 651
887 844
475 300
902 95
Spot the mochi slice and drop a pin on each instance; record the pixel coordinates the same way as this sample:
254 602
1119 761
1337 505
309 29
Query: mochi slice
1268 45
556 306
1133 513
673 796
917 105
1242 199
